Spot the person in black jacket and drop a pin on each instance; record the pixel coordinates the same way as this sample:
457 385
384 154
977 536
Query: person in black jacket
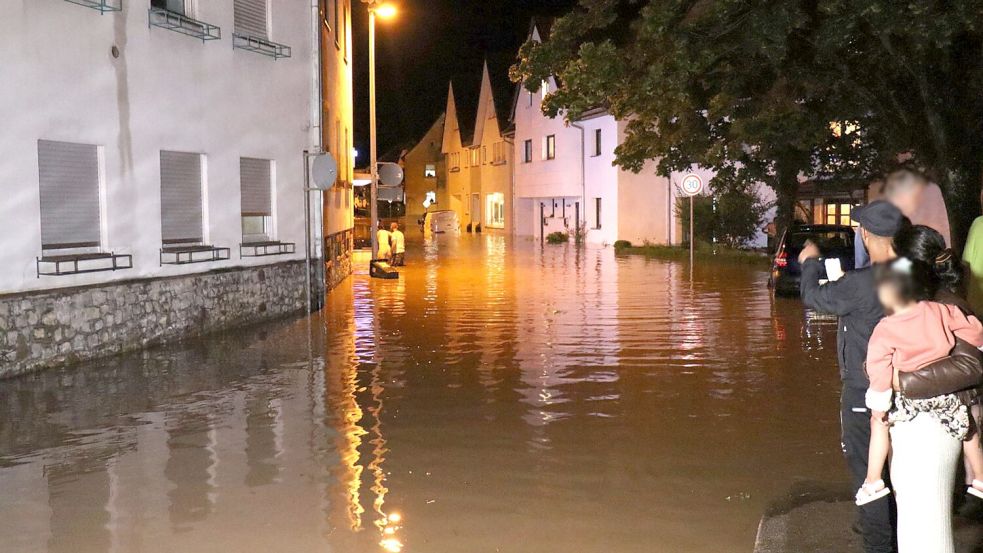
853 298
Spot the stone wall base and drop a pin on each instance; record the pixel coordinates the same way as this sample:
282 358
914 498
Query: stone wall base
54 327
338 249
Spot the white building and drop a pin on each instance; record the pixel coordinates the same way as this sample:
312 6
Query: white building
565 176
153 140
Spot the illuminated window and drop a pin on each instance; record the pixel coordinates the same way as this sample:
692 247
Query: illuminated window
430 171
838 214
495 210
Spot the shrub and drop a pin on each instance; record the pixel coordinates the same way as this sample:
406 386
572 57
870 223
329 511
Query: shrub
557 237
621 244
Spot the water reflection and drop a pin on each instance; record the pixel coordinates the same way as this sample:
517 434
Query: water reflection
499 395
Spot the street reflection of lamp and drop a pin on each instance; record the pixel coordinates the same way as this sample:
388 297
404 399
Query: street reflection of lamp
385 11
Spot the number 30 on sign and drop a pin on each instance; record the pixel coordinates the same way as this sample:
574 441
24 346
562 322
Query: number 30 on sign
692 184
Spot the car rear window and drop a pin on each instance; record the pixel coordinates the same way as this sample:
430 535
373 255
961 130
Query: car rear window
826 240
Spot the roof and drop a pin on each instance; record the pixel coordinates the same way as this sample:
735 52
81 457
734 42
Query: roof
467 89
542 25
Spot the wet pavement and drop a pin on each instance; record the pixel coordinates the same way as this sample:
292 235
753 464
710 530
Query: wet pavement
499 396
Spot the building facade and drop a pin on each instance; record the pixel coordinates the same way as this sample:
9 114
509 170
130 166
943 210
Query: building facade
154 182
425 175
465 162
566 179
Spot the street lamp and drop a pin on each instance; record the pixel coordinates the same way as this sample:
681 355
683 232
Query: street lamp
385 11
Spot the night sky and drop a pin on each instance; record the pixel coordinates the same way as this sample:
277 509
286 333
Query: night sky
429 43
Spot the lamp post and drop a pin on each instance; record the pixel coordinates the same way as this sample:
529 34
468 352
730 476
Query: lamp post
385 11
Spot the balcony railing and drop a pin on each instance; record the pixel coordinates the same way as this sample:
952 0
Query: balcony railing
266 248
260 46
192 253
78 263
172 21
102 5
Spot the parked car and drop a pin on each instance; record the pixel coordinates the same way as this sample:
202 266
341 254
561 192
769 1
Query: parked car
834 241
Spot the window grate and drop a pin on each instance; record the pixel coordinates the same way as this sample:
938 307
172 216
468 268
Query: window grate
260 46
173 21
102 6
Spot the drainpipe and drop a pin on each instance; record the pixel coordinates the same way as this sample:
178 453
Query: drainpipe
317 121
511 163
583 178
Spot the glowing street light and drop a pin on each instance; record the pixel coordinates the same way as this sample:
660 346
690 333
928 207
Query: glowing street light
385 11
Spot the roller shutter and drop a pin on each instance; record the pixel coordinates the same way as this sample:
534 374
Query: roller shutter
69 184
180 197
256 186
252 18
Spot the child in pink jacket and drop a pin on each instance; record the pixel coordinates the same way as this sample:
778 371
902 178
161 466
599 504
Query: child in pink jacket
915 333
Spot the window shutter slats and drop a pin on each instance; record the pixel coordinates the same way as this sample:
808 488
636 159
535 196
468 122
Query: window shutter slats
256 186
180 197
69 185
251 18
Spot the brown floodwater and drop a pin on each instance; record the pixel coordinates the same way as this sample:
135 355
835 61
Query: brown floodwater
499 397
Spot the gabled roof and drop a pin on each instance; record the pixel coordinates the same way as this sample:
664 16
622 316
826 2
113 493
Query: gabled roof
468 102
539 31
489 107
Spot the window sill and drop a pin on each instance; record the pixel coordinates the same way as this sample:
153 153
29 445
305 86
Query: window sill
266 248
102 6
183 255
454 170
179 23
499 163
78 263
260 46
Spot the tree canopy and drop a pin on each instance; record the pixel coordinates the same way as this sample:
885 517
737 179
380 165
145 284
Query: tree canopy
771 91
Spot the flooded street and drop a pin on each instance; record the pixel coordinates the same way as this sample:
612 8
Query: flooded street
500 396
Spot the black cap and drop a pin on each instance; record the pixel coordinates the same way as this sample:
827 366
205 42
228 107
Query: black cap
879 217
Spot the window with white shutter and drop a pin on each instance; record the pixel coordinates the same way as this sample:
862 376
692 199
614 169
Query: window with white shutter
252 18
180 198
256 183
70 199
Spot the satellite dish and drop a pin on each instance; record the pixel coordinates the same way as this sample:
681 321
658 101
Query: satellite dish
324 171
390 174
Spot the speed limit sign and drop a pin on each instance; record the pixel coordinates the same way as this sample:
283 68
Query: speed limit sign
692 184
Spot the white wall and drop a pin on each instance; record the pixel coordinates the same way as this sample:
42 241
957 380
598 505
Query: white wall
165 91
543 178
601 179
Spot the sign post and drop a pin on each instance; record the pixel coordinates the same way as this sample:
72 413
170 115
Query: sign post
692 185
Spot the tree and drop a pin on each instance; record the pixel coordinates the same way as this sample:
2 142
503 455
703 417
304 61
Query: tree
914 72
733 215
775 91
